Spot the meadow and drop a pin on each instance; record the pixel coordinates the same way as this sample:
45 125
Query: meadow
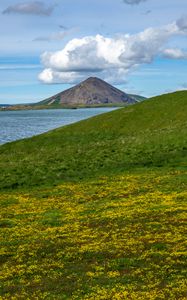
97 210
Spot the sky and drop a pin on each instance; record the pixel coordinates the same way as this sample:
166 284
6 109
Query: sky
140 46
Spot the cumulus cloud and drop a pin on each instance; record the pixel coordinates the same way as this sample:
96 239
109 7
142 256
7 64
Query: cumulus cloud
132 2
175 53
109 58
33 8
115 76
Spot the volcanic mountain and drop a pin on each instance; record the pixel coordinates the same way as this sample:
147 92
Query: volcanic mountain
92 91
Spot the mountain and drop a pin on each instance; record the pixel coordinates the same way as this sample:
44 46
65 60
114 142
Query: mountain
91 92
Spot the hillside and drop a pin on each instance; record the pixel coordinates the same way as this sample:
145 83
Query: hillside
138 98
91 92
149 134
97 209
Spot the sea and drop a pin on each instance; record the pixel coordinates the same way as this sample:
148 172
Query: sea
16 125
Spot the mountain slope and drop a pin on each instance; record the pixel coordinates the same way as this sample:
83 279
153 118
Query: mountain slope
152 133
92 91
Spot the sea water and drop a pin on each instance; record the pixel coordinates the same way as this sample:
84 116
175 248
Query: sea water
15 125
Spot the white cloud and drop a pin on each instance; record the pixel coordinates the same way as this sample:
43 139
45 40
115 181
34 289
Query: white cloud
33 8
132 2
48 76
175 53
108 58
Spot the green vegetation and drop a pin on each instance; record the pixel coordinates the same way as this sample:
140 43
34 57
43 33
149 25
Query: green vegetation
149 134
96 210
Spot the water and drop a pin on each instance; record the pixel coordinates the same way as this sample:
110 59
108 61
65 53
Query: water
15 125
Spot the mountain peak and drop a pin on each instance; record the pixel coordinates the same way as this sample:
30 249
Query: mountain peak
92 91
92 79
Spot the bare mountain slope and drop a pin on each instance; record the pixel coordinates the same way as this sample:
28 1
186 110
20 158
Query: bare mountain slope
92 91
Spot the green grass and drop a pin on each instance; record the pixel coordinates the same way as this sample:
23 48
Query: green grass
97 210
149 134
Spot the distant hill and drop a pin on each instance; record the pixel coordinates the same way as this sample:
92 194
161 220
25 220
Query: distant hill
91 92
138 98
4 105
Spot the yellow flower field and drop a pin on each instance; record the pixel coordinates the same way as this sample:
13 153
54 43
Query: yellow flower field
113 238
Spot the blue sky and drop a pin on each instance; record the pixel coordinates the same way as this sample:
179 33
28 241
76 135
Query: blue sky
48 46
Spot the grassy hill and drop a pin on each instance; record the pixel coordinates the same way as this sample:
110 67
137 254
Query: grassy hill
96 210
148 134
